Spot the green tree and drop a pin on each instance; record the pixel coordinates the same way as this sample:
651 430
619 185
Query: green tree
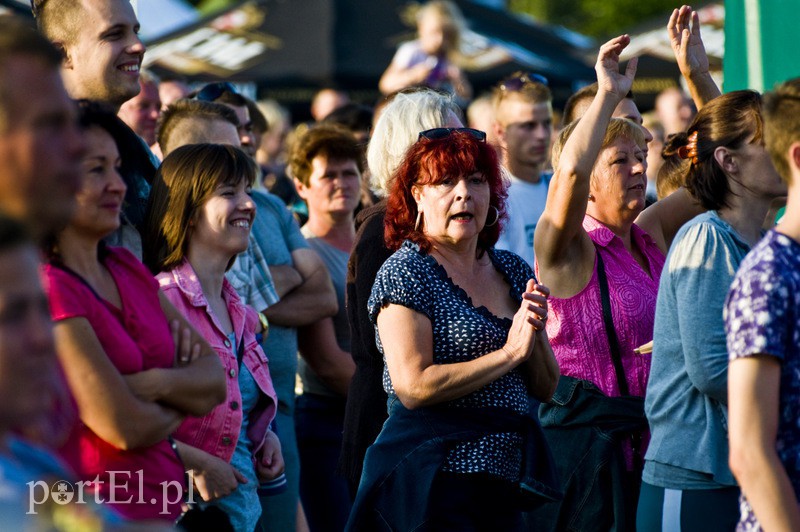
596 18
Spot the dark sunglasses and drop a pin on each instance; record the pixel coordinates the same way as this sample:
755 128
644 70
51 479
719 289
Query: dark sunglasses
444 132
212 91
516 83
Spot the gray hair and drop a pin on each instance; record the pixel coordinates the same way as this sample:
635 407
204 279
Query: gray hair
398 128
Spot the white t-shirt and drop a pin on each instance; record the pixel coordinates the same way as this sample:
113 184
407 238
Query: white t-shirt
525 205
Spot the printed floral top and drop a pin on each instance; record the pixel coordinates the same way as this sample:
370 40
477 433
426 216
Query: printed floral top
762 316
461 332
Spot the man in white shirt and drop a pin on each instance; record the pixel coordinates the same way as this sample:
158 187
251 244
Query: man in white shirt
524 127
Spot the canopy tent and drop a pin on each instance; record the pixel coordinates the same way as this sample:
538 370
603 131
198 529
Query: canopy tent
290 48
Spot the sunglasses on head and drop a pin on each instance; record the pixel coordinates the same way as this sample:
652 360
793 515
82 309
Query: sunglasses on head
212 91
516 83
444 132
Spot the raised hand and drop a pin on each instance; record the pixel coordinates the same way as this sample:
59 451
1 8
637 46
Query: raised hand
609 78
687 44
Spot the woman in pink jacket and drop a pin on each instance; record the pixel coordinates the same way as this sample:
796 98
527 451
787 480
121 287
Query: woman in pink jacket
198 220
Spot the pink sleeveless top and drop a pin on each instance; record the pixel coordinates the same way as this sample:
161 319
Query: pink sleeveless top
575 325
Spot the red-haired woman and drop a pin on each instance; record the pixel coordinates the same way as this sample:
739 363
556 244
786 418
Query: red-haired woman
460 328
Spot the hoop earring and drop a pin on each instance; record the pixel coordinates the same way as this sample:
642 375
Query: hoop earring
496 216
418 223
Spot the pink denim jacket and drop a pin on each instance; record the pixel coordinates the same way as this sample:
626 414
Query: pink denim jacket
218 431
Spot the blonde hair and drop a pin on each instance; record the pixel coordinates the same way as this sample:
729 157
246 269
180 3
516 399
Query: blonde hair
452 20
398 128
617 128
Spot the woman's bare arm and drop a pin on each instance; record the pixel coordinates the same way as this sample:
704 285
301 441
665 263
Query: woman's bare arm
407 339
317 345
560 241
196 384
106 404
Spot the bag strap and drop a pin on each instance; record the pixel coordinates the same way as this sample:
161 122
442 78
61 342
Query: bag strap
608 320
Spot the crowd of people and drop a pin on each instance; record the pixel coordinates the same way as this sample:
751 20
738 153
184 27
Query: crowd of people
388 318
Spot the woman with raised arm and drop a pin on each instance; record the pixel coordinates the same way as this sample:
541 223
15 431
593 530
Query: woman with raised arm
602 257
116 338
460 326
198 220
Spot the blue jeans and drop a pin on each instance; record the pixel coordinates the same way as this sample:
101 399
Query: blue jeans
325 495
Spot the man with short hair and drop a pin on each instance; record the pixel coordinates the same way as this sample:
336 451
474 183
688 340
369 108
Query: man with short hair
225 94
41 145
101 47
195 121
326 163
523 126
142 111
102 54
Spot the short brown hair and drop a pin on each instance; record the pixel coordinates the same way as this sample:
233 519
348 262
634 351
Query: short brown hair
333 142
58 20
531 91
184 109
617 128
186 179
782 123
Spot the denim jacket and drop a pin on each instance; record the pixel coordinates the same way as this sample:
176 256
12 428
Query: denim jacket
587 428
400 466
218 431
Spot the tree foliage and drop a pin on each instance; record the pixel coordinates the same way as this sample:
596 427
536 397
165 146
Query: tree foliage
596 18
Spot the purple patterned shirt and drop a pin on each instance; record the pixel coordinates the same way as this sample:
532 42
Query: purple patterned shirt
762 317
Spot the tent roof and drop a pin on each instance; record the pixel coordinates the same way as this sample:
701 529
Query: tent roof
350 43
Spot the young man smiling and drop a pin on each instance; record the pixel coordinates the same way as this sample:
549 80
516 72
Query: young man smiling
102 54
101 47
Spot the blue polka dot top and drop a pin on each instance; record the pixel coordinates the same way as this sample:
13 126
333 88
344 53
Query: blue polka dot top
461 332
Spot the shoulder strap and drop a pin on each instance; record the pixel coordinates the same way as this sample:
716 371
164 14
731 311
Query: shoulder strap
608 320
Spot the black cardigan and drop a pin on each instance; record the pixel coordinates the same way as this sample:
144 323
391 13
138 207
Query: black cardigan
366 399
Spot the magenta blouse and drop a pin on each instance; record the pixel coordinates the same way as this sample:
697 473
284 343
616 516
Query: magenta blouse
135 338
575 325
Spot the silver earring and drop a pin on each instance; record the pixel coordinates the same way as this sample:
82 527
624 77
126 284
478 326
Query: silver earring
591 198
418 223
496 216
